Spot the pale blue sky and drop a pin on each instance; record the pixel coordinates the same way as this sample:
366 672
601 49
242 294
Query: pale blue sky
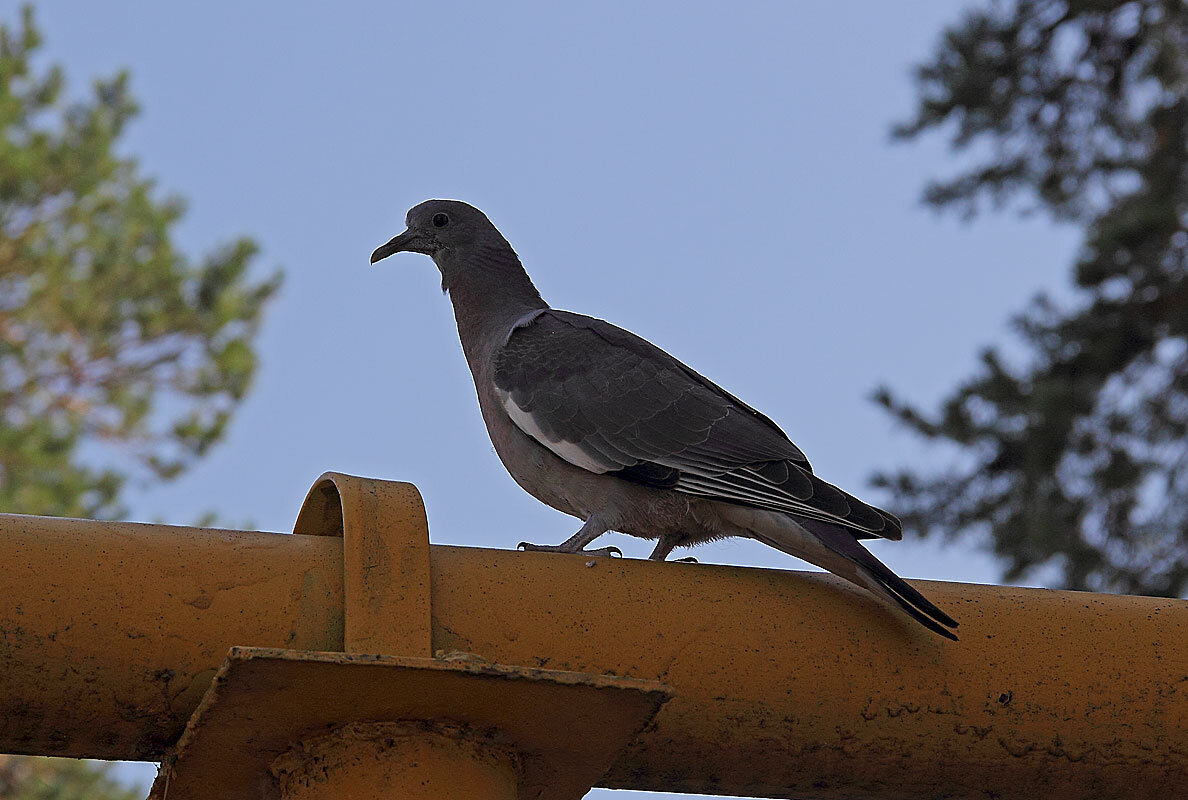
715 177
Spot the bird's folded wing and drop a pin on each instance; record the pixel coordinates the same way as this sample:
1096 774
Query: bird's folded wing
608 401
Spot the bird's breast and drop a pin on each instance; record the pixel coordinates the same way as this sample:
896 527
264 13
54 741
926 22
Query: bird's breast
547 477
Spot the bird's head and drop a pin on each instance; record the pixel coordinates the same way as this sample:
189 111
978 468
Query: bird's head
464 244
439 227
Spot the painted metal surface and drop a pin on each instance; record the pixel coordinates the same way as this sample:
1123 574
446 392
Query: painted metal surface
110 632
787 684
385 560
382 761
792 685
564 729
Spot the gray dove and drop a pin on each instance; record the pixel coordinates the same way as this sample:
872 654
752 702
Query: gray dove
603 425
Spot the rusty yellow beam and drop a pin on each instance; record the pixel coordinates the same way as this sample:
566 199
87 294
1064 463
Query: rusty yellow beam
786 684
110 632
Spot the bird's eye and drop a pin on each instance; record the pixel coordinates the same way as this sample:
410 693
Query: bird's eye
440 220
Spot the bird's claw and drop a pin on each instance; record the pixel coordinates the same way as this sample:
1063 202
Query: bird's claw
685 560
609 552
528 547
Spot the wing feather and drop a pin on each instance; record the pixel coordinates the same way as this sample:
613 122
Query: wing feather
610 402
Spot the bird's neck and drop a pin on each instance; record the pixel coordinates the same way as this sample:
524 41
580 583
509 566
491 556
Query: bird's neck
490 291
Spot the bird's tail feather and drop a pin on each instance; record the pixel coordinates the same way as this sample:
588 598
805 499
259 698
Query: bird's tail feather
847 559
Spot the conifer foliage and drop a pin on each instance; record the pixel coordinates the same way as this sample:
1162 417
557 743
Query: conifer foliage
109 335
1077 457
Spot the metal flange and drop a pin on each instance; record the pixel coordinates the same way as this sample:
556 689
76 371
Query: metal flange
561 731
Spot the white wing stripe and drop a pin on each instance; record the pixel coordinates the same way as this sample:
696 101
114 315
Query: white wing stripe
569 451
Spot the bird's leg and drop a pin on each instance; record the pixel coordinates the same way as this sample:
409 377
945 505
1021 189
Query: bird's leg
664 546
590 530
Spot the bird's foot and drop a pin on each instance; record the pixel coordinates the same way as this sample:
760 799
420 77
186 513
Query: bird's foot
560 548
685 560
609 552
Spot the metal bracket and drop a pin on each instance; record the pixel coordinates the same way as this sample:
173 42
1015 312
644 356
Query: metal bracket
561 731
385 555
564 728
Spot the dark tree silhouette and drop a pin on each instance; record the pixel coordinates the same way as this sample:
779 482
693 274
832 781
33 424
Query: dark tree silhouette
1077 457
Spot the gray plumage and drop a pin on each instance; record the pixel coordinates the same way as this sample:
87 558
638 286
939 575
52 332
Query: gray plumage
603 425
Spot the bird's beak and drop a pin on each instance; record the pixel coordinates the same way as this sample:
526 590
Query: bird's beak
408 242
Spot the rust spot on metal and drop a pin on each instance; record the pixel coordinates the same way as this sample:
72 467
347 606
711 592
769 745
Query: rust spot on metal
202 601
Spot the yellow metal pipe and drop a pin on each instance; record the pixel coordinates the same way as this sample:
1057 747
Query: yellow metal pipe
110 632
787 684
790 685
